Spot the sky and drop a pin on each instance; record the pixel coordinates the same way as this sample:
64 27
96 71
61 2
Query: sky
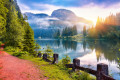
88 9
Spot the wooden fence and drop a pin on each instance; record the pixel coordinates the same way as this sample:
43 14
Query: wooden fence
45 57
101 73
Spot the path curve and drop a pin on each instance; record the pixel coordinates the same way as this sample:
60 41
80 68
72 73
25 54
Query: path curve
13 68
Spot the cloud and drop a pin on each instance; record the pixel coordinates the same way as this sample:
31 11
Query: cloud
41 22
89 11
71 3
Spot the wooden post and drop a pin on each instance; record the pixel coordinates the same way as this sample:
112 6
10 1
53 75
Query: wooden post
101 68
39 54
45 56
76 62
55 56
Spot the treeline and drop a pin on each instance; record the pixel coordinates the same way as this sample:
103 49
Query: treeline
14 30
66 32
106 29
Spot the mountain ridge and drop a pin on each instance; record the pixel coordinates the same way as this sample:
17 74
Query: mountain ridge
59 19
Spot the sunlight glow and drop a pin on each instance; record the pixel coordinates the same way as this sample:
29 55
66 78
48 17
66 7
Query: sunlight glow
94 21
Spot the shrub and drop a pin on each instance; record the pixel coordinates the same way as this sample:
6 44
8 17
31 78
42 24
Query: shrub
19 54
81 75
49 52
66 60
12 49
0 43
118 63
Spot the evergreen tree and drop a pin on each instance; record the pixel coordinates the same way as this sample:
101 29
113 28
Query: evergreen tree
29 39
69 31
57 34
13 28
3 16
84 31
74 30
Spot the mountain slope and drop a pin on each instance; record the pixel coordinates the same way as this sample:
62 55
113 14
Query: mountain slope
59 19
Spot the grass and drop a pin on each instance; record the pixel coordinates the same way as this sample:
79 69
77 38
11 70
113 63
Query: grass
77 37
51 71
57 72
54 71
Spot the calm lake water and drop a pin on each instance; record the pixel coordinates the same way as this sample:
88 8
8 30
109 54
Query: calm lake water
90 53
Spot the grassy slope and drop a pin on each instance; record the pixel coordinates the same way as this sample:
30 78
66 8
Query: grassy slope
77 37
55 72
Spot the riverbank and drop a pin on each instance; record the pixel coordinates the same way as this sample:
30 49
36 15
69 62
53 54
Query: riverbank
13 68
54 72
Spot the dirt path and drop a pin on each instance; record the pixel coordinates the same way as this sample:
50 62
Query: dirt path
13 68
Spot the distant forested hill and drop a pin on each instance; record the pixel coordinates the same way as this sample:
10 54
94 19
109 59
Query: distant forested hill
14 30
46 25
106 29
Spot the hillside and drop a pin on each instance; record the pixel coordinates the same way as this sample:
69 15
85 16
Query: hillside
59 19
14 30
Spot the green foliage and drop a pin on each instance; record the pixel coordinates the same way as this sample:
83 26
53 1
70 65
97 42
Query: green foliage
57 34
107 29
118 63
66 60
0 43
57 72
12 49
81 75
3 15
69 31
49 51
29 44
84 31
63 62
14 30
20 54
53 72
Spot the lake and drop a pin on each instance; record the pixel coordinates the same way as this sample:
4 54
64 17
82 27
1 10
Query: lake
89 52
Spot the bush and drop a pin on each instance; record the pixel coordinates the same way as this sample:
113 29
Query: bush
118 63
81 75
0 43
66 60
20 54
12 49
49 52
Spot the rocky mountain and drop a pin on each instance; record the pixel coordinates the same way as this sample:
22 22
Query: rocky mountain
67 15
59 19
64 14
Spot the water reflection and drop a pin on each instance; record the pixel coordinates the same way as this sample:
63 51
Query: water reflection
89 52
67 44
110 49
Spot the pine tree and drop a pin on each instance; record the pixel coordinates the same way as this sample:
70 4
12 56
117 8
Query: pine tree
29 44
16 30
3 15
84 31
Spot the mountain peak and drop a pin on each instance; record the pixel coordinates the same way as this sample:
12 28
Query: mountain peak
63 14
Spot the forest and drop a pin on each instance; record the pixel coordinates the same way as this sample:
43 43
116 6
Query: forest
66 32
105 29
14 30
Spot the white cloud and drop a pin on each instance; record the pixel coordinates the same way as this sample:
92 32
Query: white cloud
39 21
90 11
